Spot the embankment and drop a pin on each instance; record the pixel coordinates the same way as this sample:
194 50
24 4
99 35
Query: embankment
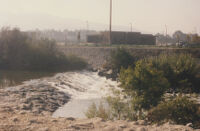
97 56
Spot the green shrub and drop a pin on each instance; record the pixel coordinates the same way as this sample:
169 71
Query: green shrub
185 70
145 84
118 108
144 87
122 107
180 110
117 105
94 111
181 70
120 58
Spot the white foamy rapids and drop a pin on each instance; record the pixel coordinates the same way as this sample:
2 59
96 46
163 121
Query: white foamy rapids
79 85
83 85
85 88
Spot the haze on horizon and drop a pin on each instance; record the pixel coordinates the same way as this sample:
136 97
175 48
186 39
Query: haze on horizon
149 16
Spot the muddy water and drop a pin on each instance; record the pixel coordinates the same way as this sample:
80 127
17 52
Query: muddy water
14 78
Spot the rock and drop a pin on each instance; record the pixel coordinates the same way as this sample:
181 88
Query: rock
109 72
7 109
169 123
62 83
141 129
155 125
22 112
97 121
134 123
189 125
142 122
15 119
101 73
70 119
54 120
26 107
33 121
92 69
110 128
123 126
129 129
82 126
43 129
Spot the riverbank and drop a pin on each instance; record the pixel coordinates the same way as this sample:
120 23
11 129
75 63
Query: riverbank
36 99
97 56
29 107
15 121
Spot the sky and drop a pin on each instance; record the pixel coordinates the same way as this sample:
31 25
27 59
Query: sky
148 16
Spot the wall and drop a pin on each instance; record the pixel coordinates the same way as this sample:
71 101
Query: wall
97 56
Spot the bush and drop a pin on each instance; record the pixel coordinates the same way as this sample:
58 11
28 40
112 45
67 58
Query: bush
181 70
144 87
122 107
180 110
145 84
118 108
18 51
120 58
100 112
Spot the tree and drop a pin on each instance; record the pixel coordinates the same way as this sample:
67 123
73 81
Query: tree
18 51
180 110
146 84
120 58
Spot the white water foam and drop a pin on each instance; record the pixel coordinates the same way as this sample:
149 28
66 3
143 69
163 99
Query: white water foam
84 88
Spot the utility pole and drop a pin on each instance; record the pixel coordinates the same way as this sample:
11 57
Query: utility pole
166 29
87 31
166 35
131 26
110 31
87 26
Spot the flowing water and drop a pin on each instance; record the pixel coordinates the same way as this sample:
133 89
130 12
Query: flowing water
83 87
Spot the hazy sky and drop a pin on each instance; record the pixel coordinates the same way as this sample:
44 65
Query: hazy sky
146 15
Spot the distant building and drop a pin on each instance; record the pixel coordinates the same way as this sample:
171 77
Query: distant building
129 38
66 36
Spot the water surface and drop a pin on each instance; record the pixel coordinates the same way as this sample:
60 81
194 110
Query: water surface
14 78
83 88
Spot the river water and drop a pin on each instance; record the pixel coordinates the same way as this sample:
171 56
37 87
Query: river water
83 87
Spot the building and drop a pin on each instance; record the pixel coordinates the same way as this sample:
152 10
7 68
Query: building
117 37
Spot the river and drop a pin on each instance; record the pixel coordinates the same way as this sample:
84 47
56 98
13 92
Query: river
83 87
